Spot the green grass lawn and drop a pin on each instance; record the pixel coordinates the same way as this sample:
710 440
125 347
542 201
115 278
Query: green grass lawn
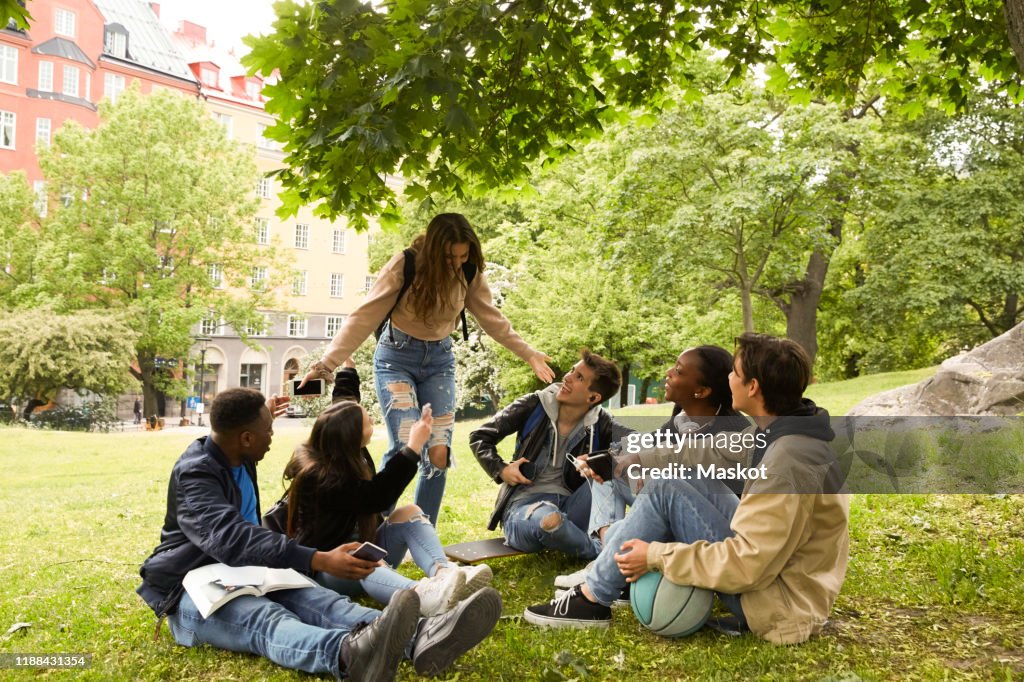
932 592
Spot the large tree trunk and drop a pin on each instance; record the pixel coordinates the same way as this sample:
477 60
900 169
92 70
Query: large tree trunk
624 389
748 309
644 387
802 311
1014 12
147 370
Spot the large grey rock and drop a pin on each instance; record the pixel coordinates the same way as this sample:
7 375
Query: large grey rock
988 380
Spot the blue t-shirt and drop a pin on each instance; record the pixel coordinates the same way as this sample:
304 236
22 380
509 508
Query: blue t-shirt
241 477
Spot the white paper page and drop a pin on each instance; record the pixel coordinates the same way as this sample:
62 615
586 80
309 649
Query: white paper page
240 575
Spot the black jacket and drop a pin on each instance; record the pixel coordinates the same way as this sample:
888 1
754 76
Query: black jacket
204 525
600 428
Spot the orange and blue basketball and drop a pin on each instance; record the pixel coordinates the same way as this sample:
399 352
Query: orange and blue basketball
668 609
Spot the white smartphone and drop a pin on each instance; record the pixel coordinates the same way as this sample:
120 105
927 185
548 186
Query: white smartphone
369 552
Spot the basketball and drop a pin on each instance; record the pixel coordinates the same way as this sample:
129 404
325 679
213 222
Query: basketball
668 609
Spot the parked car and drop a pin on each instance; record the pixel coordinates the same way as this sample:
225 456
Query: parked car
296 410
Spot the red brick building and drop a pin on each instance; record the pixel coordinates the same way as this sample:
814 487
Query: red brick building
75 53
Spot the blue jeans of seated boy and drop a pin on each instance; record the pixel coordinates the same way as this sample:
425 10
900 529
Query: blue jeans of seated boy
667 511
608 502
416 535
523 531
298 629
409 373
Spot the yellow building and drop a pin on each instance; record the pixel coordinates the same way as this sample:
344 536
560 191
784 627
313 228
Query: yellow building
329 262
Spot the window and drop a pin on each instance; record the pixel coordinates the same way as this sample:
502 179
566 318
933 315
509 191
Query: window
252 90
334 323
167 263
42 199
226 123
8 64
43 131
265 188
262 141
108 276
296 326
302 236
70 85
216 273
64 23
263 230
299 283
258 280
251 376
338 241
113 85
46 76
369 282
115 43
208 326
209 77
259 328
337 285
7 123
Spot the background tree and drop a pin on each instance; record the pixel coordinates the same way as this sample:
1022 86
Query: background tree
454 96
151 214
42 351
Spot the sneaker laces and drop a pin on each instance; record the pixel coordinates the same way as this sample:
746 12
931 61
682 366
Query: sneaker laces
560 604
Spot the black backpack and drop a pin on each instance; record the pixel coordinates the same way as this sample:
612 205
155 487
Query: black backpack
408 274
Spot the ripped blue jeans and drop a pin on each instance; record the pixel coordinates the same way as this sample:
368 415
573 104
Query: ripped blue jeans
409 373
523 529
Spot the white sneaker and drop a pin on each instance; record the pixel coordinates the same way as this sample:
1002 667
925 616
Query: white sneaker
574 579
477 577
440 593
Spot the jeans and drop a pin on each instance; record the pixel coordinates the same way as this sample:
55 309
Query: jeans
416 535
523 531
608 502
667 511
409 373
300 629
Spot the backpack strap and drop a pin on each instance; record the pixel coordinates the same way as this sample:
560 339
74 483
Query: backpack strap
469 272
408 273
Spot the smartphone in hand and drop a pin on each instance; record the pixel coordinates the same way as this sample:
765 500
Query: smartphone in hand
599 461
312 387
369 552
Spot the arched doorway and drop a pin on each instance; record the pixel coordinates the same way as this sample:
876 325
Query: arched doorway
291 370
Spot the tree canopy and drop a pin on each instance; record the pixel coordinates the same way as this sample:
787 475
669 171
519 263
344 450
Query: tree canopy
458 96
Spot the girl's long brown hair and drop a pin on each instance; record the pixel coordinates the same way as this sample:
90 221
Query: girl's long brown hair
429 294
332 455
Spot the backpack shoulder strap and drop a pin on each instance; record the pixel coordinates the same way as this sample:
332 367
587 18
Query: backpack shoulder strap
469 272
408 274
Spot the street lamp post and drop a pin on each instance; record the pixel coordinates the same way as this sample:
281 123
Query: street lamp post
202 341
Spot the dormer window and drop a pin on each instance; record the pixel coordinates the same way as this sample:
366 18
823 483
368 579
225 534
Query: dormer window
252 90
115 41
209 77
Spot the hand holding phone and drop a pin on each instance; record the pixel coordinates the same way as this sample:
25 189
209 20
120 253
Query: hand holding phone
599 462
369 552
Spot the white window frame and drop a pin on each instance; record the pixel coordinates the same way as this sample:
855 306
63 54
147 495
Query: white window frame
209 326
226 122
262 226
44 128
301 235
64 21
338 241
216 273
297 326
337 287
300 283
265 187
45 83
369 282
252 90
258 278
70 76
42 202
113 86
115 43
8 129
8 64
332 325
209 77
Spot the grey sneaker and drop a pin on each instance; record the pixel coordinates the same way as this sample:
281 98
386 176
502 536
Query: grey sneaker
477 577
573 579
442 639
373 650
440 593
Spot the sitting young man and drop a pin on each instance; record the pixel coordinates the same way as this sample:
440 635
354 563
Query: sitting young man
550 507
213 513
775 556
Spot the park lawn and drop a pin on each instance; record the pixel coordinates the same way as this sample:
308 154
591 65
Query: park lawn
932 590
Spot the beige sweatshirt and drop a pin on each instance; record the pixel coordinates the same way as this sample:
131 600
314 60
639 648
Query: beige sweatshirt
368 316
787 559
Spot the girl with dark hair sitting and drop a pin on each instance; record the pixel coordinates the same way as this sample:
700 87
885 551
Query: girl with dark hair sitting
335 497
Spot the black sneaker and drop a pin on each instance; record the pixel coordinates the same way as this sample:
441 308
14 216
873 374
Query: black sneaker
373 650
442 639
569 610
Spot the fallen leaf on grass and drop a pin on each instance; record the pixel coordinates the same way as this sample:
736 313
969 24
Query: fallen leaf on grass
16 627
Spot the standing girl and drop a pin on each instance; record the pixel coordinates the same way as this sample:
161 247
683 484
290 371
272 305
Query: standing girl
414 363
